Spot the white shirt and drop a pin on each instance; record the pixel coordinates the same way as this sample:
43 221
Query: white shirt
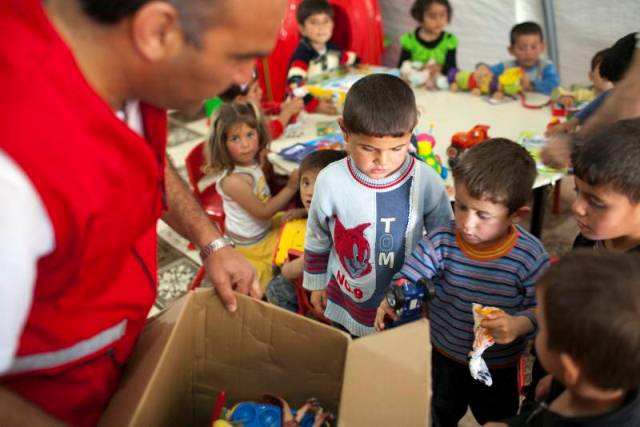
26 235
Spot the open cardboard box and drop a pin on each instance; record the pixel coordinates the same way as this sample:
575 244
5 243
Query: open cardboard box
195 348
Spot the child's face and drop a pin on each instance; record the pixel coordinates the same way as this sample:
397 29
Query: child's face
318 28
527 50
307 185
243 144
600 84
377 157
603 213
435 18
482 223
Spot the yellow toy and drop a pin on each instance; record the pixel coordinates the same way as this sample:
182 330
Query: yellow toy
291 239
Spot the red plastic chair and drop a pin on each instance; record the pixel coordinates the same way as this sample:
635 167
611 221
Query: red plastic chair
358 27
209 198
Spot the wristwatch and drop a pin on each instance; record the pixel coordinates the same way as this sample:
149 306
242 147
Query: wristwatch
215 245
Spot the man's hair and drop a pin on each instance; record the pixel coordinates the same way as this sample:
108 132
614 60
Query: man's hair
617 60
419 7
312 7
195 15
380 105
611 157
597 58
498 170
318 160
217 154
525 29
591 302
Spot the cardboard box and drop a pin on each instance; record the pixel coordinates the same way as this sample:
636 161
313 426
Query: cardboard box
195 348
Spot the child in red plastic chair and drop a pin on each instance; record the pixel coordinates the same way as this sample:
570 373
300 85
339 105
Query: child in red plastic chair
281 291
315 54
238 136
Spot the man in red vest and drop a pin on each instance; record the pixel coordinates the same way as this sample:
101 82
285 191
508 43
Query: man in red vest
83 181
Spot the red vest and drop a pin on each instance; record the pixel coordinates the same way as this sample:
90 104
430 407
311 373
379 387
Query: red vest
102 187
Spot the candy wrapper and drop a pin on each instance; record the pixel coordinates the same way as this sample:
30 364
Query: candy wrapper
482 341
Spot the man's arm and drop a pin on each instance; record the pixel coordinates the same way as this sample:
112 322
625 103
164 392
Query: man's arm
227 269
16 411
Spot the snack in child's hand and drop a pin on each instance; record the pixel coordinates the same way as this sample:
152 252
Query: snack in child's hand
482 341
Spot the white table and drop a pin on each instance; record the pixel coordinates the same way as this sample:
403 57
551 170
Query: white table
451 113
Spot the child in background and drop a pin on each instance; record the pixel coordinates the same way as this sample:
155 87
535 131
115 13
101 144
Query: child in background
370 209
429 43
281 290
527 45
614 65
589 340
315 54
238 136
482 257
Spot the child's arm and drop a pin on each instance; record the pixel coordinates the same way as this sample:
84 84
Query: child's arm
238 188
582 115
293 270
318 240
548 81
405 55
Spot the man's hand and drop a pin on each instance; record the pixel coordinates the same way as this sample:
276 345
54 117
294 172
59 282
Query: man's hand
557 152
319 300
229 271
383 310
505 328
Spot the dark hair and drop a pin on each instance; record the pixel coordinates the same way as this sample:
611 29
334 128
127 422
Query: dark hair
380 105
319 160
591 302
611 157
597 58
525 29
419 7
308 8
498 170
617 60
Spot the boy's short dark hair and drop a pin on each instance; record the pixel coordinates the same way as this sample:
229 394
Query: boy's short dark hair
419 7
498 170
319 160
591 302
525 29
312 7
611 157
597 58
380 105
617 60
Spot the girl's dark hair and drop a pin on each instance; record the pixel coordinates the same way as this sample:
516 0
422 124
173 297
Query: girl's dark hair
419 7
216 153
617 60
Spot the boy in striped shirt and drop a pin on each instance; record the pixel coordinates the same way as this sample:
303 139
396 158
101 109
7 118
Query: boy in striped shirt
482 257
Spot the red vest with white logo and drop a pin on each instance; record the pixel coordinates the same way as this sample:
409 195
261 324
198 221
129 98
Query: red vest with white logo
102 187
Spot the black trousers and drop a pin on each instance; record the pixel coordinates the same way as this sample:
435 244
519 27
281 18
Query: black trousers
454 390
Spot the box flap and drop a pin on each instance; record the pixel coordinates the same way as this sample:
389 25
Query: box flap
387 380
157 376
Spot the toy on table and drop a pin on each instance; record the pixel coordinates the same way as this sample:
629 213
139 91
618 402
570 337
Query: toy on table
297 152
462 141
425 143
478 82
407 300
327 128
567 101
419 74
482 341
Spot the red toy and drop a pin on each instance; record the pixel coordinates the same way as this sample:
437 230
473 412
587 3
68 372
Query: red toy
358 27
462 141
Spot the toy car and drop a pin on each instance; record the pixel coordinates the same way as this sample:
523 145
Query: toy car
407 299
462 141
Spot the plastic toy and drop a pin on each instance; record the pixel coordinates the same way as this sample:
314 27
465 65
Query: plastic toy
478 82
425 143
407 299
421 75
291 239
462 141
510 82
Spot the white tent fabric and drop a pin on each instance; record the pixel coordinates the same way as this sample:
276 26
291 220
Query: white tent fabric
583 28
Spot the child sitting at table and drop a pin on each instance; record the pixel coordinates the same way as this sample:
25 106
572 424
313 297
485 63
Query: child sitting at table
526 45
315 54
238 136
281 290
370 209
429 44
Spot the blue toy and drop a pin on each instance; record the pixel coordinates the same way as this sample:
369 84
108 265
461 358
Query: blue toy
407 299
277 413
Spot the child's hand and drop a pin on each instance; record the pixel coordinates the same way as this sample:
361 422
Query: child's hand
543 388
292 214
505 328
289 109
294 180
525 82
566 127
325 106
383 310
319 300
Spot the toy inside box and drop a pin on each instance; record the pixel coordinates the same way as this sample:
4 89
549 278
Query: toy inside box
194 349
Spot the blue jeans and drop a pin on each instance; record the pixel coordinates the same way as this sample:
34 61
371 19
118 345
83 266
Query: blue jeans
281 292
